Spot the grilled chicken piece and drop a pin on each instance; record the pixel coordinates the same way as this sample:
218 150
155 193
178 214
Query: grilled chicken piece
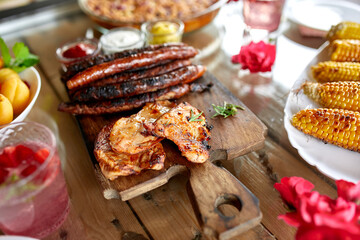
183 125
128 134
114 164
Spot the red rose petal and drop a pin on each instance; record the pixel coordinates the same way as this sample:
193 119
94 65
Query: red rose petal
24 153
41 155
257 57
28 170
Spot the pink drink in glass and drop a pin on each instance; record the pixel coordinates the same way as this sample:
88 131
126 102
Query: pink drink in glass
263 14
33 197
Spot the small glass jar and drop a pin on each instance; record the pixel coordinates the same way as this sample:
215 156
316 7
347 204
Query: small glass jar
119 39
163 31
77 50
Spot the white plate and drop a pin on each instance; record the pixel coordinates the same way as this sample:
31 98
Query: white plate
322 14
333 161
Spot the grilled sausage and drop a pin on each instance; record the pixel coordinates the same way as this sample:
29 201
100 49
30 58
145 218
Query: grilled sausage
126 89
84 64
142 73
134 61
126 104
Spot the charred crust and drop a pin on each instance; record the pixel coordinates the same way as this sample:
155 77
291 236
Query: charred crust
206 144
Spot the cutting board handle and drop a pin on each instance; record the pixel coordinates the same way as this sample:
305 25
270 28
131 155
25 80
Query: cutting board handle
210 187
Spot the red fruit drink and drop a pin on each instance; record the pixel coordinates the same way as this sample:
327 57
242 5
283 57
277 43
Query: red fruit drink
263 14
33 196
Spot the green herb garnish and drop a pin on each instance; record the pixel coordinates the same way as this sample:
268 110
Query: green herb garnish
227 110
195 118
23 58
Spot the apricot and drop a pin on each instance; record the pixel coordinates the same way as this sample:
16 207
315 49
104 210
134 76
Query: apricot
8 88
21 99
6 110
7 73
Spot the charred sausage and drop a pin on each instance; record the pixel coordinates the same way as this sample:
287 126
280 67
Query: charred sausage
126 89
134 61
125 104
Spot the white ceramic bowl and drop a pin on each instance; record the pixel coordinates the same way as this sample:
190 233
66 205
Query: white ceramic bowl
32 77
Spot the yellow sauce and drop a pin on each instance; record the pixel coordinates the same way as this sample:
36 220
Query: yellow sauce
164 32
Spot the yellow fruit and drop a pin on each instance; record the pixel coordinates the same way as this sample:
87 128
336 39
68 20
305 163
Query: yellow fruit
8 88
21 99
6 110
7 73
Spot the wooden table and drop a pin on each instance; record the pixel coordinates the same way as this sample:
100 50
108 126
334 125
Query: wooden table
166 213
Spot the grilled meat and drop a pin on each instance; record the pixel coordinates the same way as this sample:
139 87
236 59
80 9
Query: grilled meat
187 128
137 74
138 60
127 89
128 134
82 65
114 164
126 104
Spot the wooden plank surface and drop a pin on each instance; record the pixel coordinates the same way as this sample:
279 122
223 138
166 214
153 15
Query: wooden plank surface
194 228
154 215
223 145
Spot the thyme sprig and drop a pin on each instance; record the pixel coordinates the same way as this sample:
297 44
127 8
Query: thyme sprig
227 110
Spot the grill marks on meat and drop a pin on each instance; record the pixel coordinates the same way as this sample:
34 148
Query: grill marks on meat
128 134
81 66
142 73
125 104
126 89
134 61
191 137
114 164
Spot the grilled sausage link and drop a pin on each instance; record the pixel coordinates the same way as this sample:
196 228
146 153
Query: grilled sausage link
125 104
127 89
134 61
84 64
142 73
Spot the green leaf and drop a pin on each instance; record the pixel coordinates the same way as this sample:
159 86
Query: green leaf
20 50
5 52
18 69
227 110
31 60
195 118
23 58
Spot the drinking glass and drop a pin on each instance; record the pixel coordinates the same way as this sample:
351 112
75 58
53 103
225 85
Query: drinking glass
263 14
34 200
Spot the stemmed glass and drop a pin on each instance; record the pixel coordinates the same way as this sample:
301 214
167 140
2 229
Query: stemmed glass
261 17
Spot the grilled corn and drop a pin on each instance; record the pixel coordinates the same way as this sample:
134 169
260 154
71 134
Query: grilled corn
330 71
344 30
335 126
344 95
346 50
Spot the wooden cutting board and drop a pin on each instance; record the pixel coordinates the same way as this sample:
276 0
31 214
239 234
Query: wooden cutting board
209 185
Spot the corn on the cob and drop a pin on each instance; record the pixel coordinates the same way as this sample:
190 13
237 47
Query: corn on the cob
344 30
344 95
330 71
346 50
335 126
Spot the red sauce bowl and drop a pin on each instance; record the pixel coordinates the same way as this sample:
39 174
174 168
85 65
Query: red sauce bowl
77 50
